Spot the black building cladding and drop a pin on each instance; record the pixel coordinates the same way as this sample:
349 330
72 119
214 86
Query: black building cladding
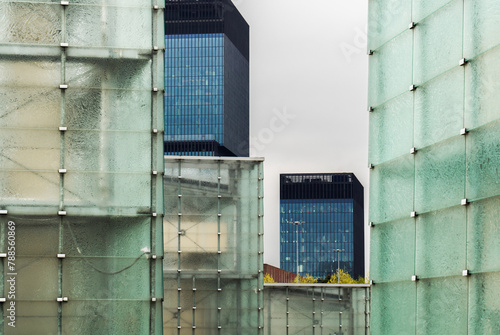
330 207
206 79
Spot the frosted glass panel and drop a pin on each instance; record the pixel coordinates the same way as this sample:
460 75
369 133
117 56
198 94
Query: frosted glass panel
391 129
438 42
423 8
107 20
393 308
441 233
394 242
396 17
440 175
482 95
482 172
483 235
390 69
108 109
27 22
439 108
442 306
390 192
483 306
481 26
26 150
111 189
107 151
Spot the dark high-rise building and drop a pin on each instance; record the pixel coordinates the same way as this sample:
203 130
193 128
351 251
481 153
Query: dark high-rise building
327 210
206 79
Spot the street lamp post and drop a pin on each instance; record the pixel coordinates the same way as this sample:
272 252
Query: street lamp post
297 223
338 263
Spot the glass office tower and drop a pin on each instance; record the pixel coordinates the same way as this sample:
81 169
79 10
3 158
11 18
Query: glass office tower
329 210
206 79
434 150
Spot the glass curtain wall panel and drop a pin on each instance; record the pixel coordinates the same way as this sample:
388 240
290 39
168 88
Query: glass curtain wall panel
213 242
81 161
319 309
434 154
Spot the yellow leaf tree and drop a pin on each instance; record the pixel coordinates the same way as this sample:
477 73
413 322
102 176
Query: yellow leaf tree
345 278
268 278
307 279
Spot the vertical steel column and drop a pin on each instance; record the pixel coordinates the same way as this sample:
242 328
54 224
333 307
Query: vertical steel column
219 214
179 234
62 129
287 311
157 163
313 311
260 281
194 305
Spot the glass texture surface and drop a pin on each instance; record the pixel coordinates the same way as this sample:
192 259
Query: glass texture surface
113 278
391 129
440 175
107 151
106 317
100 130
387 20
108 110
29 188
125 190
442 306
205 251
483 235
115 236
483 160
484 307
42 232
481 26
438 42
393 251
449 168
29 150
36 279
393 308
32 317
106 22
18 103
424 8
30 23
482 90
390 70
123 74
439 108
38 72
441 240
391 190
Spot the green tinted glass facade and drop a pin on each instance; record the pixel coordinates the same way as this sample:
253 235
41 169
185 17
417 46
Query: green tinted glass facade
296 309
213 242
81 156
435 188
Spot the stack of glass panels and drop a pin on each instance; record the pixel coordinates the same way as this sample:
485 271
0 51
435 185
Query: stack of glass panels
213 245
434 149
81 156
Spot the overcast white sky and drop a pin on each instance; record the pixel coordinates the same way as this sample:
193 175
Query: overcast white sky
309 73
